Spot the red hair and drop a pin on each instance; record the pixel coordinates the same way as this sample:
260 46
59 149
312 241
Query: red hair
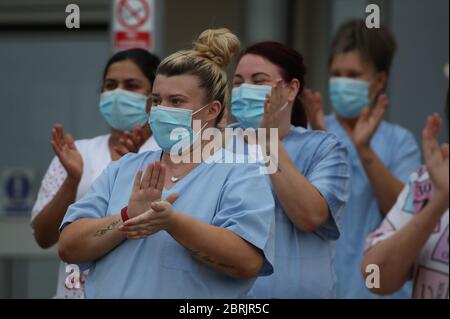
291 66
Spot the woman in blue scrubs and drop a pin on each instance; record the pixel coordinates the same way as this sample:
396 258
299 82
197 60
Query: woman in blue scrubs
311 182
382 155
212 235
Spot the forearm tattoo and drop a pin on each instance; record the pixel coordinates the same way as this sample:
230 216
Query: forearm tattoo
207 260
104 231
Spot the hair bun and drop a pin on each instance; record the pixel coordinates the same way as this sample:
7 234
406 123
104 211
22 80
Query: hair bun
217 45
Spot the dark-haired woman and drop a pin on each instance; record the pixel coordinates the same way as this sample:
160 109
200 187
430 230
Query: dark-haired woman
124 103
382 155
311 181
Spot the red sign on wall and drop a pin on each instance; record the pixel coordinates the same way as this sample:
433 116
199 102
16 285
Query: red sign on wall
133 24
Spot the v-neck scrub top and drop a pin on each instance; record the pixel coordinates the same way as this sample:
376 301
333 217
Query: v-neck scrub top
399 152
232 196
304 260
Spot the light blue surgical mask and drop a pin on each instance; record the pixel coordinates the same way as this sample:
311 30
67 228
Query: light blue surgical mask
171 125
123 109
247 104
349 96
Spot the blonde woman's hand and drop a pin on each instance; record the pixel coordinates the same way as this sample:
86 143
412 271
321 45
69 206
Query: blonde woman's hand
159 217
146 189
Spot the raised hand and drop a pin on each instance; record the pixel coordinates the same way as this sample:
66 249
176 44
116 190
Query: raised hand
159 217
312 102
368 123
436 156
146 190
131 142
68 154
274 105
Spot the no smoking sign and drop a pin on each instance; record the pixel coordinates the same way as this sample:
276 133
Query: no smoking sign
133 24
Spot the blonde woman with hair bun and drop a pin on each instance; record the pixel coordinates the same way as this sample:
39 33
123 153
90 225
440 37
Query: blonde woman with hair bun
152 227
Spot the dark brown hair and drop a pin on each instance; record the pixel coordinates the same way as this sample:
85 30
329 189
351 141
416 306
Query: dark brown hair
144 60
292 67
377 46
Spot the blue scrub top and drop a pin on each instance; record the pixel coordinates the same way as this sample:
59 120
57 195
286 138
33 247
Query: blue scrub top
398 150
303 265
233 196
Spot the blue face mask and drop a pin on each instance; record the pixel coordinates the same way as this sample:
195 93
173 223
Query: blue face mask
247 104
123 109
348 96
171 126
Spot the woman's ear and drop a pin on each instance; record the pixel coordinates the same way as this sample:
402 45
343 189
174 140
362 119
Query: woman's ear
379 84
294 87
214 110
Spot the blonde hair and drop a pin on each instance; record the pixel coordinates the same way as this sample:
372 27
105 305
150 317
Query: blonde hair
208 61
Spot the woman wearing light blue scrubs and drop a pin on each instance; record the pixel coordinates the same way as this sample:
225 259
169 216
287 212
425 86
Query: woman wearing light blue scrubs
212 235
382 155
311 183
127 82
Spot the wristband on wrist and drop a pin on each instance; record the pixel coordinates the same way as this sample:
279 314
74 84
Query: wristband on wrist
124 214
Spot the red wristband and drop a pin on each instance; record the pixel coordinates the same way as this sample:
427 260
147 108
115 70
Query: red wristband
124 214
